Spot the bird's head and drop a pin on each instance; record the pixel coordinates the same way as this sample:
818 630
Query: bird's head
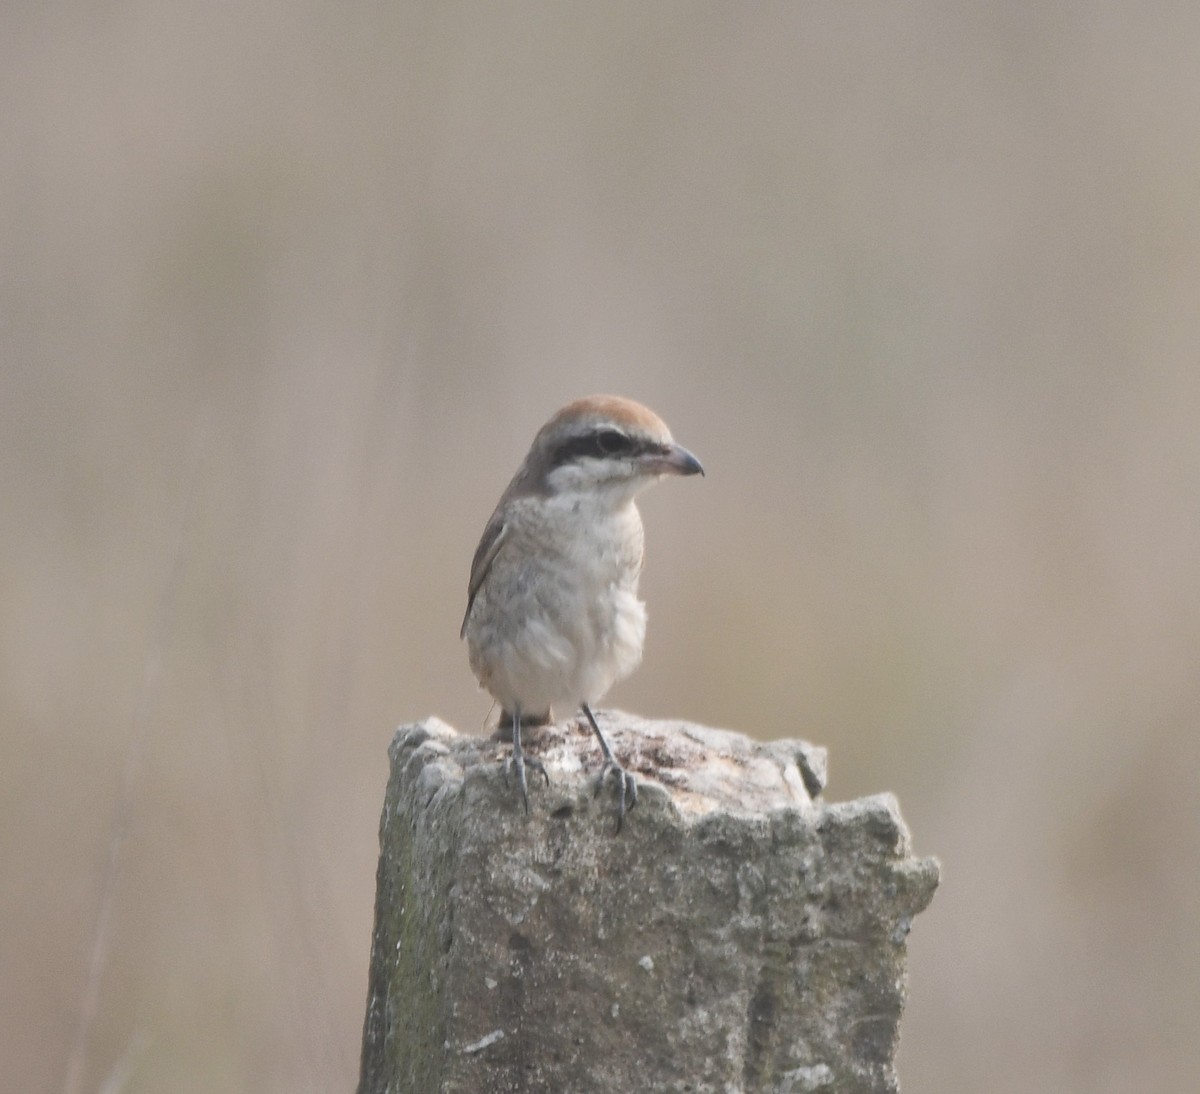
604 445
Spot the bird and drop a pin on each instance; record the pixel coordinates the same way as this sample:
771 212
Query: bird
553 617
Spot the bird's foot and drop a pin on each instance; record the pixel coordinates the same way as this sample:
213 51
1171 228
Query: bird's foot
518 762
627 792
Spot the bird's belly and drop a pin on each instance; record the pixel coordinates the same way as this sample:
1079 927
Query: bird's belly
566 642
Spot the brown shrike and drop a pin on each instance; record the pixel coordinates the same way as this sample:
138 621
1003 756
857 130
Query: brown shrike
553 617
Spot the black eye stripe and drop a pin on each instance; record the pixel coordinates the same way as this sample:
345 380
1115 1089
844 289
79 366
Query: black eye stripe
598 444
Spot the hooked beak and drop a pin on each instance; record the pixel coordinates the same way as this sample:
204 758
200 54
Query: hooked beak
675 460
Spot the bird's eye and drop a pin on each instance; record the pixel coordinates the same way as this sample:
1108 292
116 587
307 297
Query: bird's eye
611 443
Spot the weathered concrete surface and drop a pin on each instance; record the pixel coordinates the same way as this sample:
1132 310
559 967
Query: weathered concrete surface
734 937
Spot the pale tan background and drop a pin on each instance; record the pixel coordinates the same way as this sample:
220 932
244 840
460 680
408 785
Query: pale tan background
285 289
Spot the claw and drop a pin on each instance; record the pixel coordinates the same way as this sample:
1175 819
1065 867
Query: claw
627 793
626 783
518 762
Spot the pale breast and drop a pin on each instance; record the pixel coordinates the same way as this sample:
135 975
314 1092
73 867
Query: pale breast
558 620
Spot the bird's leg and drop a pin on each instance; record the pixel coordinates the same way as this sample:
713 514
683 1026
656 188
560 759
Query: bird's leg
519 762
626 783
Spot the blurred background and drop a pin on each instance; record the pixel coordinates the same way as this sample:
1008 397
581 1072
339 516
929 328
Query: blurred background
285 291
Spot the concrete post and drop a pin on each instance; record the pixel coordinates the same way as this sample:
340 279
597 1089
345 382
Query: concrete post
738 935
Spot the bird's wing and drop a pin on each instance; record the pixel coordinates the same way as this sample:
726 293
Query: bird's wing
485 555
